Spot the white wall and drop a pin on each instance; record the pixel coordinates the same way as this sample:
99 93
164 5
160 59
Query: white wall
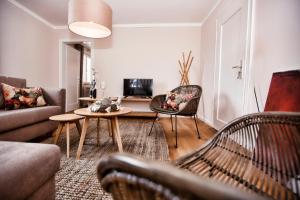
147 53
208 56
276 43
26 47
140 53
30 49
276 47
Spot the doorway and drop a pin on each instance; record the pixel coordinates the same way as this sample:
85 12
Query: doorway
232 71
75 71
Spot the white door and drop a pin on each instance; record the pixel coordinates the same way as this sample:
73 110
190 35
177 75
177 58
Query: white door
230 70
72 74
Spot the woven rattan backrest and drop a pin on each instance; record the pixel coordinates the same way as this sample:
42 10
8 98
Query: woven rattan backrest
192 106
196 90
259 152
130 178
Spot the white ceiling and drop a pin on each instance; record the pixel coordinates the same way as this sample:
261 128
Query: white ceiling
129 11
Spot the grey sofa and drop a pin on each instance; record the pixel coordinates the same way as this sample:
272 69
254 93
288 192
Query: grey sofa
28 170
26 124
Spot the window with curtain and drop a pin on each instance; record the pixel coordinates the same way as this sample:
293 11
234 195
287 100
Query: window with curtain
86 73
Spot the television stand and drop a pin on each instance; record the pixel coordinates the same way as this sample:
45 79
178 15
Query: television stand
140 106
138 97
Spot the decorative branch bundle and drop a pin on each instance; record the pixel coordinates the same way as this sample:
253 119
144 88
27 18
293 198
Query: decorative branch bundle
185 66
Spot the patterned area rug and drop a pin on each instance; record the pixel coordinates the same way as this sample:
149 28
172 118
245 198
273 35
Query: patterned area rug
77 179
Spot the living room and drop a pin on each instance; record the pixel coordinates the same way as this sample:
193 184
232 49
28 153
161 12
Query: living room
222 59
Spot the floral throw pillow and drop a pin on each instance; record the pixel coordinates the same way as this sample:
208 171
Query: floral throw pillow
1 98
176 101
15 98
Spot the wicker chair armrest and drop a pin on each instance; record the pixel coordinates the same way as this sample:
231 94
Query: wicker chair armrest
161 177
190 107
157 101
238 124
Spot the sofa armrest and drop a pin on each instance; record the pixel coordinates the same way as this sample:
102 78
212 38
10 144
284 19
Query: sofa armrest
26 167
55 97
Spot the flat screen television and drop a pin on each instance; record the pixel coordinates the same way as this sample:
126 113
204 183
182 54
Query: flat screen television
137 87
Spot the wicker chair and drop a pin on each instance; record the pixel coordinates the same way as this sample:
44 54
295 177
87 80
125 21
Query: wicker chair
257 154
190 109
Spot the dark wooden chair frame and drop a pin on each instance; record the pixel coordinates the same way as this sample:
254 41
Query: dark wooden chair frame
190 109
254 157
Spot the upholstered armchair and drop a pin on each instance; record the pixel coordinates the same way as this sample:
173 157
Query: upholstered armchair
190 108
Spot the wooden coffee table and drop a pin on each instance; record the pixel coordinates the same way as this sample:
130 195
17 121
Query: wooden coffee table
66 119
90 101
114 122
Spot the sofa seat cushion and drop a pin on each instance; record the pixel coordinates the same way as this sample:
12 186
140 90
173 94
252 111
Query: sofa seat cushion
25 167
12 119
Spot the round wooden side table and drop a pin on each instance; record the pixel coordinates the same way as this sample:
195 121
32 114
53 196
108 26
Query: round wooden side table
66 119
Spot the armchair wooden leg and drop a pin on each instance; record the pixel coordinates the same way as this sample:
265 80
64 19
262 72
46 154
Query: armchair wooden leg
171 117
197 127
153 124
176 131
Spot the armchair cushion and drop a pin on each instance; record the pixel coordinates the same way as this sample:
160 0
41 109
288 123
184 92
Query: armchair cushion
188 98
176 101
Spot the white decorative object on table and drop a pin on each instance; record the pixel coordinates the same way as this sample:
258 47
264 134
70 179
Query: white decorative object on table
105 105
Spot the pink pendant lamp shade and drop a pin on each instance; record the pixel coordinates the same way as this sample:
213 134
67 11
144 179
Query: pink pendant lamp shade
90 18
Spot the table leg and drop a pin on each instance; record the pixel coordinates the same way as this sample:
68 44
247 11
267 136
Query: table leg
109 127
68 139
117 135
57 132
82 137
112 130
78 127
98 132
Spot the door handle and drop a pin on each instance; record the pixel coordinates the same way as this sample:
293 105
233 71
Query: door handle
239 67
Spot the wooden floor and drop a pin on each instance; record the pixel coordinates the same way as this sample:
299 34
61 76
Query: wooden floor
187 135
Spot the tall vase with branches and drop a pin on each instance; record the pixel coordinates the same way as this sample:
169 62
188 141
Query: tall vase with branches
93 89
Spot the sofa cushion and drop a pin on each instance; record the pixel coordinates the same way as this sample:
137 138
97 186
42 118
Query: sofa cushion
27 133
25 167
12 119
16 98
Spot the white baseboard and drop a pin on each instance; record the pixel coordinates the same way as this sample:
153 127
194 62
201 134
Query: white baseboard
206 121
198 116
